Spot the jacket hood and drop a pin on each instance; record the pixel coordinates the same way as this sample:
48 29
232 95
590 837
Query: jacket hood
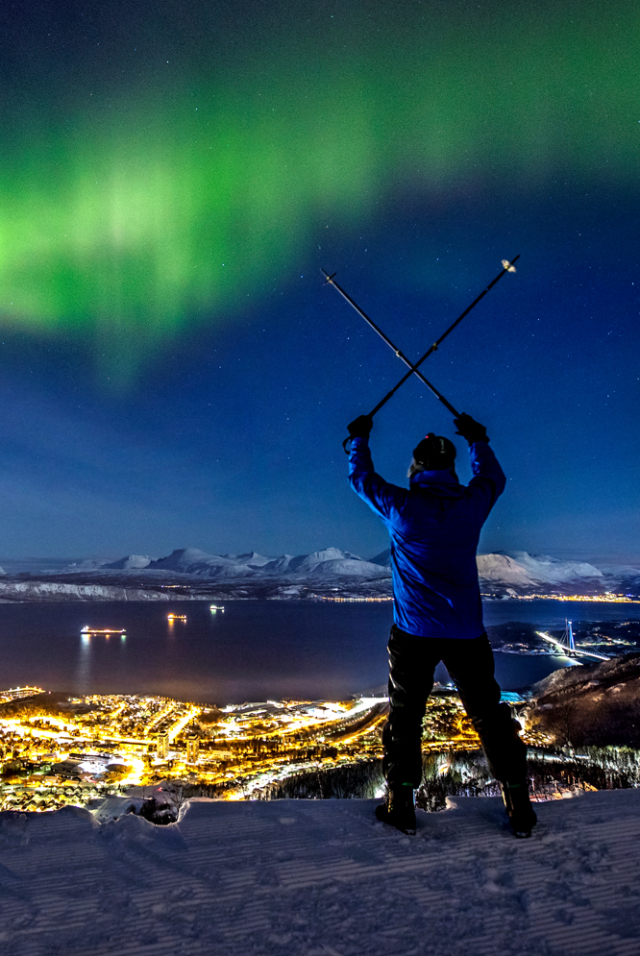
441 480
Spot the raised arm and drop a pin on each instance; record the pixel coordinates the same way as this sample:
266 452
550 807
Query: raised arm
382 497
488 475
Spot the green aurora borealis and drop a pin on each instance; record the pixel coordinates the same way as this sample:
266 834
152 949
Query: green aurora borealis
141 202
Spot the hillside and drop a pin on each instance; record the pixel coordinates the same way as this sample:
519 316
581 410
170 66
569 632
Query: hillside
592 705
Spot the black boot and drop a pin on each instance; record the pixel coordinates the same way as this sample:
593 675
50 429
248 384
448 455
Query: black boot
522 817
398 810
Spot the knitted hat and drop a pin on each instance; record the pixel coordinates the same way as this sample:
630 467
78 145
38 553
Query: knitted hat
435 453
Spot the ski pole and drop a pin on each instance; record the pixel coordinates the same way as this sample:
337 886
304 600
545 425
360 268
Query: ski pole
385 338
507 266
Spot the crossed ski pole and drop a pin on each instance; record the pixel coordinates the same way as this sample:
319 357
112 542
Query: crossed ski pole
507 266
385 338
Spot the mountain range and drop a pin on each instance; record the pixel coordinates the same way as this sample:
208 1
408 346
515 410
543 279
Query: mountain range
326 564
330 572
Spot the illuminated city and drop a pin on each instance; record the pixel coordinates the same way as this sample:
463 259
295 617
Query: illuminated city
59 750
588 598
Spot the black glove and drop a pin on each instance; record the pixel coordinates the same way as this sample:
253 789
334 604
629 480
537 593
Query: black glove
470 429
361 427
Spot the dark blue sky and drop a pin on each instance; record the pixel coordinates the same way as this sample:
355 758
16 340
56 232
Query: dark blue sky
146 407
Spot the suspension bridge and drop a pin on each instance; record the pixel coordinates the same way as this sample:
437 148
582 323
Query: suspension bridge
567 644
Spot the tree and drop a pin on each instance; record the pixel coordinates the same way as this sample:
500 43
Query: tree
176 798
565 714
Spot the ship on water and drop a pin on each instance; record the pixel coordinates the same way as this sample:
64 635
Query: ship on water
106 631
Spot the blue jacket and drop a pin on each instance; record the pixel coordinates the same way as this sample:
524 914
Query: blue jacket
434 527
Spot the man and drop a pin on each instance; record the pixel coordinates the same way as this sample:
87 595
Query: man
434 528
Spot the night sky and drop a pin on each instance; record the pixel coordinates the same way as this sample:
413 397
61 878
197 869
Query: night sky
175 173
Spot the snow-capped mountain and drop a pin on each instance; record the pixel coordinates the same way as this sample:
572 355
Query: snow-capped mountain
131 562
195 562
622 577
196 573
524 570
502 570
327 563
517 571
330 562
251 559
546 570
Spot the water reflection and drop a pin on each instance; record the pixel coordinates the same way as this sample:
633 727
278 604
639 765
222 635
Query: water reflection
82 680
97 654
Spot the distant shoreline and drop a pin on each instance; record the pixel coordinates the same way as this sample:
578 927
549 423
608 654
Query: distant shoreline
100 586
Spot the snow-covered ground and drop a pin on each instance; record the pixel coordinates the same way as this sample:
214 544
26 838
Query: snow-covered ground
323 878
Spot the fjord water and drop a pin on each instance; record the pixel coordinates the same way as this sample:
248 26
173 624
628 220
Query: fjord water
255 650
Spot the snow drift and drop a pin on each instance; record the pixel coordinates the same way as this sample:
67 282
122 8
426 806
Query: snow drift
323 877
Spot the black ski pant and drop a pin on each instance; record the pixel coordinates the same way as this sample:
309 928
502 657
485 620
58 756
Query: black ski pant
470 663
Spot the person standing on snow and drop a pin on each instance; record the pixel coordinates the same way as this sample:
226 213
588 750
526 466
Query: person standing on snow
434 528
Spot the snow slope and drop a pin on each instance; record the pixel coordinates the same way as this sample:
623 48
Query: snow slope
45 592
133 562
502 570
526 570
323 878
549 570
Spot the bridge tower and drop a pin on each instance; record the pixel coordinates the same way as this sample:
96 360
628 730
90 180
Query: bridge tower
567 639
